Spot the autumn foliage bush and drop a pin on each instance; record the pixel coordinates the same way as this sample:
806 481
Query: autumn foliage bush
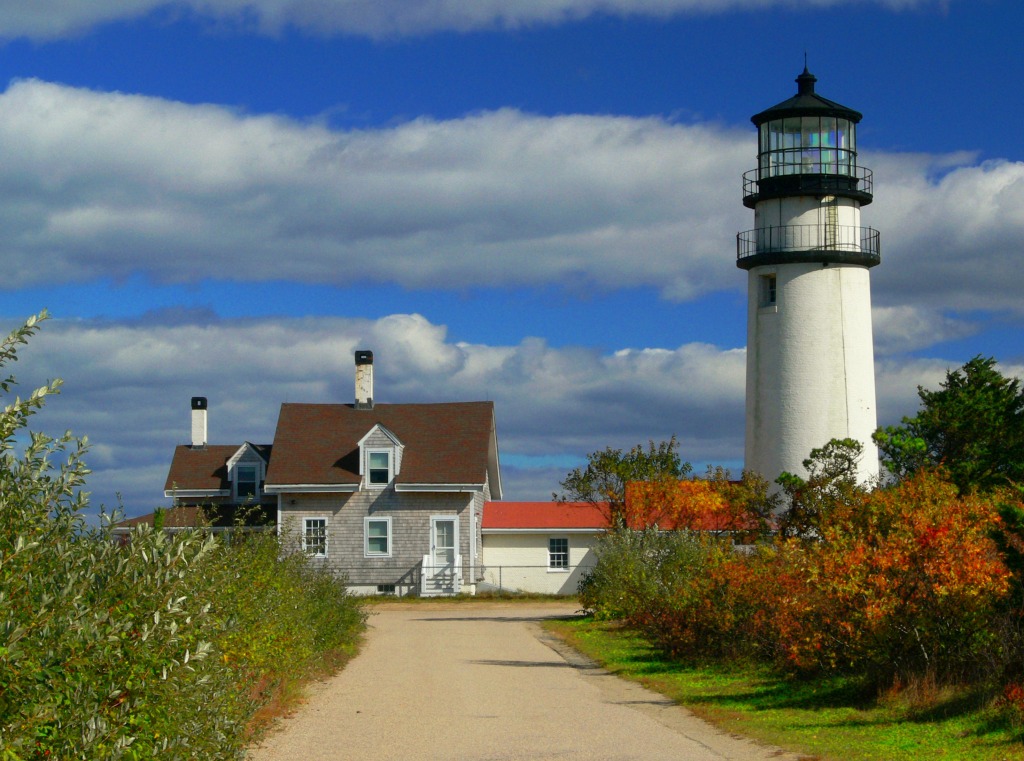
899 583
907 581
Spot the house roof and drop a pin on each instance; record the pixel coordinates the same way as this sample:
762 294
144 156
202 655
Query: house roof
196 516
205 469
693 505
174 517
200 468
543 515
444 444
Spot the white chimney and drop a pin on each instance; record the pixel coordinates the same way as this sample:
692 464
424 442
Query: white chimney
364 380
198 421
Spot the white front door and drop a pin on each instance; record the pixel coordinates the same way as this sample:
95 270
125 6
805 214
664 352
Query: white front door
444 554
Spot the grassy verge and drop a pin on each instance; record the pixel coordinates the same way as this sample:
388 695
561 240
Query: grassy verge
283 697
828 719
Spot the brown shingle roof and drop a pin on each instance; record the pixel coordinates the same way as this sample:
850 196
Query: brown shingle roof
196 516
205 468
444 443
174 517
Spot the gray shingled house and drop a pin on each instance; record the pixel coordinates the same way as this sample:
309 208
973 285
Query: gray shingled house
389 495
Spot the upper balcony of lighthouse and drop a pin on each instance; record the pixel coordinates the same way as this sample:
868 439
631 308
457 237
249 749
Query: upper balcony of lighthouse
807 145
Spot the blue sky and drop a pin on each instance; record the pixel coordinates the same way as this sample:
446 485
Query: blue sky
530 202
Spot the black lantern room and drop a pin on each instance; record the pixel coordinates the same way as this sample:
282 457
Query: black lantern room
807 145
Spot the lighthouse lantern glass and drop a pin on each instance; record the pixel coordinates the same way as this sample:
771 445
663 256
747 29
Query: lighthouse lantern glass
807 145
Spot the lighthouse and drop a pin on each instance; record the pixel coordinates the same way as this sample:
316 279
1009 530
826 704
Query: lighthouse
810 358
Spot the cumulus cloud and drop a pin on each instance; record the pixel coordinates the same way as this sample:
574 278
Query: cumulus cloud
953 231
128 385
43 19
108 185
906 328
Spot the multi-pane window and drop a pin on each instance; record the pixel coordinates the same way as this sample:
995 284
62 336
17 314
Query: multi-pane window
558 553
314 537
379 468
246 481
378 537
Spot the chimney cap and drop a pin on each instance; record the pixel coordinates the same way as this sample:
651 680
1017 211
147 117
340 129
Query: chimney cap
199 403
364 357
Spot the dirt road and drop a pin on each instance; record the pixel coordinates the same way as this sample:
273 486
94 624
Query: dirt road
483 682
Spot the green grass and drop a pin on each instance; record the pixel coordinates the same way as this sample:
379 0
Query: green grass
835 719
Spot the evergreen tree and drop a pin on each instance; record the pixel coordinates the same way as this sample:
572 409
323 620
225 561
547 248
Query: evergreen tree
973 426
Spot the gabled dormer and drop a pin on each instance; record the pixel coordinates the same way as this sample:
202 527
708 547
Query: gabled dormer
380 457
247 472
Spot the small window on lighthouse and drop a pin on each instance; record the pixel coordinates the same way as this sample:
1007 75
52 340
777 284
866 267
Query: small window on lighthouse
768 291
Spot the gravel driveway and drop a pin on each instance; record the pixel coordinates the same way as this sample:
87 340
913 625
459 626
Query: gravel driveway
483 682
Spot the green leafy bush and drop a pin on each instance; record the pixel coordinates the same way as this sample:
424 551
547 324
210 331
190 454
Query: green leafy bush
157 647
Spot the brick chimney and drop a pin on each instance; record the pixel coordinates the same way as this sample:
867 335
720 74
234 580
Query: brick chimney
198 422
364 380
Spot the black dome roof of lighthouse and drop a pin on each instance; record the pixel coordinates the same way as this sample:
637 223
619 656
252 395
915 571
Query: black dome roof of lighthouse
806 103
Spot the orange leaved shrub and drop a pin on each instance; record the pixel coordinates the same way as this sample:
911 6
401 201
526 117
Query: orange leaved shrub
899 582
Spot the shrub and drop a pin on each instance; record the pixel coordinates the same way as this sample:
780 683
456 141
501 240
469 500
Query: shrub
138 650
899 584
907 582
625 576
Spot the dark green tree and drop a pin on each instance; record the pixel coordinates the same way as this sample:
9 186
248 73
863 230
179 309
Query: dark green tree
603 480
973 426
831 481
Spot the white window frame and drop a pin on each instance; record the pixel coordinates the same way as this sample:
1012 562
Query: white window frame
257 473
391 467
552 568
305 534
386 519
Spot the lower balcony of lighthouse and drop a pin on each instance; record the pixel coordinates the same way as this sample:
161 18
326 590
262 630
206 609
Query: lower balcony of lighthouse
824 244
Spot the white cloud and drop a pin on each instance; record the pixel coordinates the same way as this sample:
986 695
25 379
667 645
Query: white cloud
952 236
43 19
907 328
128 385
106 185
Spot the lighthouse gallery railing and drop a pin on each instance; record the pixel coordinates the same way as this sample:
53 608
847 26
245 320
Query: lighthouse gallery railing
795 238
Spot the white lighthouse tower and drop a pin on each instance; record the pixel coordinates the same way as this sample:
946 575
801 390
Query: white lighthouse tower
810 359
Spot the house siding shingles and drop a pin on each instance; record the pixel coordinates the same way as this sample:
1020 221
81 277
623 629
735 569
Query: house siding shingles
410 532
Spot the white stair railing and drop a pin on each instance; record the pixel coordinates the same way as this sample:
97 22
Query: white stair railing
436 580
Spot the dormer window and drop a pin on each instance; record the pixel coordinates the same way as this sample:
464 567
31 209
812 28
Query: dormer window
247 468
380 457
379 468
247 481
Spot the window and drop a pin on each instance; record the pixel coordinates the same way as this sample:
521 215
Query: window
558 554
386 589
314 537
378 468
768 291
378 537
246 481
